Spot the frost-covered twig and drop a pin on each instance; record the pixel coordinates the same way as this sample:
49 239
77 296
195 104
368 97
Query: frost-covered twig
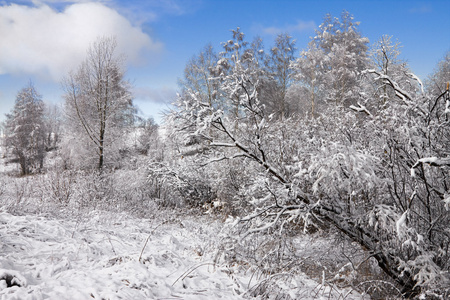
282 210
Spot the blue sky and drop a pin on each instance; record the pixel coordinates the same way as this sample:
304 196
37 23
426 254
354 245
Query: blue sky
42 40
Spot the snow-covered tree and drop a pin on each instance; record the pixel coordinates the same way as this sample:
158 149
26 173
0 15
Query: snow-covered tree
343 54
98 101
416 166
25 130
238 60
385 58
199 75
310 77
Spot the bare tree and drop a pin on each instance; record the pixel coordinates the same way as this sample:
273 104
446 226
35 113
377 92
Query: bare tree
98 98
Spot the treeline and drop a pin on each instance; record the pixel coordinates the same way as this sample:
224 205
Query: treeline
342 138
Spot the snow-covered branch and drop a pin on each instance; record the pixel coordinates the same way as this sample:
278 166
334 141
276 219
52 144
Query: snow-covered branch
432 161
399 92
360 108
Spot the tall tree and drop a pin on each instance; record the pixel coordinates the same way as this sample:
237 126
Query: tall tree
25 130
344 57
98 98
199 75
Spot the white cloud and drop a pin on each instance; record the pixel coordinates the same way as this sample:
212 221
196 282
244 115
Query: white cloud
300 27
42 41
423 9
164 95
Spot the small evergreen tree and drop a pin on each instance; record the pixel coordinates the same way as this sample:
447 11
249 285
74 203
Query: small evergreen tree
25 130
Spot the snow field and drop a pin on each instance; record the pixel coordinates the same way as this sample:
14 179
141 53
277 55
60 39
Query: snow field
104 255
96 258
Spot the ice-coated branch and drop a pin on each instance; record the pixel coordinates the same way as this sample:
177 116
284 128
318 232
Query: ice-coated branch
413 76
446 96
248 153
217 159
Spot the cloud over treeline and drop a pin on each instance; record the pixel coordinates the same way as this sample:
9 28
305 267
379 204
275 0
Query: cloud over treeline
299 27
164 95
42 41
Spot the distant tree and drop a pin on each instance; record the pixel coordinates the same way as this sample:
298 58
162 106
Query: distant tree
98 100
310 75
436 83
278 69
385 54
25 130
148 135
199 75
53 125
336 56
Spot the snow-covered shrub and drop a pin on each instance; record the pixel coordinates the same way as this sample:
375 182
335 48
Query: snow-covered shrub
59 185
61 191
179 184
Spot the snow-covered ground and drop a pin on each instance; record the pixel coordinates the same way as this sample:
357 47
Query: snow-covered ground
103 255
97 257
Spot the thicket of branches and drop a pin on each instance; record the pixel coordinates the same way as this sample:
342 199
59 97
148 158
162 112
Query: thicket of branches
367 154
